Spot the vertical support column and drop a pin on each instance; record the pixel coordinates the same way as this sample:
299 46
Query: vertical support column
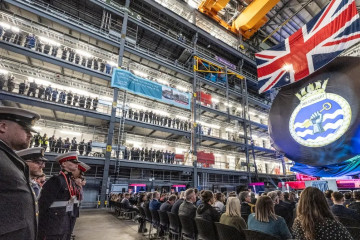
194 136
113 111
227 92
283 164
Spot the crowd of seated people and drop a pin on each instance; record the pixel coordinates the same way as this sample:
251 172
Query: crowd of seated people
281 215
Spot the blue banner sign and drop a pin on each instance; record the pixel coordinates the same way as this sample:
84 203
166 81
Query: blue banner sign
126 80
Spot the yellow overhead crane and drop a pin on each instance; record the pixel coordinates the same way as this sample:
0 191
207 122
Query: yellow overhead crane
249 20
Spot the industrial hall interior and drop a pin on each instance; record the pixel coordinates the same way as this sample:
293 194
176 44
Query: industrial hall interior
179 119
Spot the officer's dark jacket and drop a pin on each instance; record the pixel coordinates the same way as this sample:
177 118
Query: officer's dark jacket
54 221
17 201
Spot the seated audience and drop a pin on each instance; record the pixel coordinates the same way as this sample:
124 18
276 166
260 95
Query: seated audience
155 204
315 221
348 199
232 215
265 220
206 210
187 208
176 206
148 200
340 210
142 199
245 199
356 205
219 202
166 206
126 203
281 210
328 197
198 200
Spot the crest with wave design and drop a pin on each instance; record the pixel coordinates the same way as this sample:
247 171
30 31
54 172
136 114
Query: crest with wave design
320 123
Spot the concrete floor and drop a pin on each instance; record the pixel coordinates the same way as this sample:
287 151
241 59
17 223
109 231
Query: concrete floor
100 224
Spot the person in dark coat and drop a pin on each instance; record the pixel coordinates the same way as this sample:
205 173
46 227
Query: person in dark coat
76 99
58 145
177 204
2 81
52 142
95 103
48 92
41 91
11 83
74 145
166 206
22 87
187 208
57 199
82 147
355 205
205 210
340 210
62 96
126 153
69 98
88 102
54 95
32 89
328 197
245 199
18 206
88 148
279 209
82 102
155 204
127 206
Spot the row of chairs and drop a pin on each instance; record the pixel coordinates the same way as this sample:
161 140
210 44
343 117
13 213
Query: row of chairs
186 228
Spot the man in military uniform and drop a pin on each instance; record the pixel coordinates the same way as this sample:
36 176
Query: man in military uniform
34 158
57 199
78 178
17 200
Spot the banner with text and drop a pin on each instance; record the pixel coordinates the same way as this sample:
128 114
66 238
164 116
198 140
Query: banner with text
126 80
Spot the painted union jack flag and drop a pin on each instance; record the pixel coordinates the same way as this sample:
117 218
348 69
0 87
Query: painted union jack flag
323 38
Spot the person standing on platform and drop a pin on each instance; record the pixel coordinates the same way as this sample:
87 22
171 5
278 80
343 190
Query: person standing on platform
67 145
88 102
11 83
82 147
44 142
76 99
74 145
146 116
54 51
62 96
34 158
88 148
69 98
172 157
130 113
32 89
54 95
126 153
37 140
48 92
57 200
132 153
82 102
95 103
41 91
151 156
52 142
17 200
107 68
22 87
59 145
2 81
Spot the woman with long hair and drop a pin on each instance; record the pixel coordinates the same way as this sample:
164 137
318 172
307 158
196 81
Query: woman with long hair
232 216
315 221
219 202
265 220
